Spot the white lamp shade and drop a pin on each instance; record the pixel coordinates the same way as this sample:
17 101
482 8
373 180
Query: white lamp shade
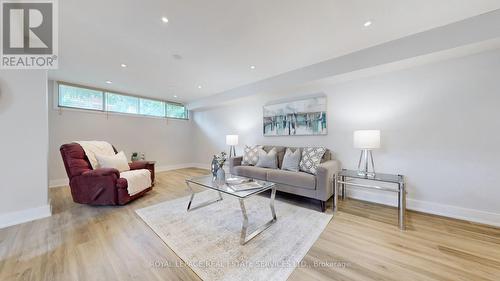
367 139
232 139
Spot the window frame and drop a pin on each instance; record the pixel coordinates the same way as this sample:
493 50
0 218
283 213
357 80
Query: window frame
104 102
80 108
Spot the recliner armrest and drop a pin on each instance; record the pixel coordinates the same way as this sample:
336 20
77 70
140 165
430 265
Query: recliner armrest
102 172
137 165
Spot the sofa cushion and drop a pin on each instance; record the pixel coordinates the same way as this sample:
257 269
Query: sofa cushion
298 179
250 155
251 172
267 159
311 158
291 160
280 152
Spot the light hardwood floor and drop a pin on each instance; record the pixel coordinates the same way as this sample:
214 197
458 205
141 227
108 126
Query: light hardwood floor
81 242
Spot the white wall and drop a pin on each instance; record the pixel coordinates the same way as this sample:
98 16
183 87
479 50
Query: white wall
440 127
168 142
24 146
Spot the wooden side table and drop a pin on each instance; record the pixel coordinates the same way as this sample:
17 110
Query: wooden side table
345 178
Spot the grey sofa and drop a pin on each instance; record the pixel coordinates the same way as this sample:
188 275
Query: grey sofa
319 186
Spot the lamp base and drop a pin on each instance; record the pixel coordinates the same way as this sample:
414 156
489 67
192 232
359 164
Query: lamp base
363 164
232 151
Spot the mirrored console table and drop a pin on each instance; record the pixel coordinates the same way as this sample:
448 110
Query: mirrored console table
346 178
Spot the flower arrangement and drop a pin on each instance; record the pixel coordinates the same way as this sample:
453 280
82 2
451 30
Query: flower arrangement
218 162
221 158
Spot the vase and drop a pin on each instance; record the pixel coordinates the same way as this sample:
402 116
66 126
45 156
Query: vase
214 167
221 176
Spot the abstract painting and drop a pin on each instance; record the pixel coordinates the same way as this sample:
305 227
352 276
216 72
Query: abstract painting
301 117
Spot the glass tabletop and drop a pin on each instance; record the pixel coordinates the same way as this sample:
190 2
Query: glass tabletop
208 182
377 177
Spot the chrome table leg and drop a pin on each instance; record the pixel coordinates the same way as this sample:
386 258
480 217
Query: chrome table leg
342 178
402 206
244 238
335 193
203 204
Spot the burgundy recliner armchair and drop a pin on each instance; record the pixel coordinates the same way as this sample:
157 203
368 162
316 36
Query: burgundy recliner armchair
100 186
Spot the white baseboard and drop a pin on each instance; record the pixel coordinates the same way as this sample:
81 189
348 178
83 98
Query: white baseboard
18 217
181 166
58 182
377 197
429 207
65 181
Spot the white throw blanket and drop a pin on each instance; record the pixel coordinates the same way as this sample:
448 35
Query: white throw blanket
137 180
92 148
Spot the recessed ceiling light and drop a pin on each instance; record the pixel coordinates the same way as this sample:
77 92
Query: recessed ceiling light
164 19
199 87
123 65
109 82
367 23
252 67
175 96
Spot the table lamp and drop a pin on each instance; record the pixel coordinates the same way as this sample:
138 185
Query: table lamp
366 140
232 141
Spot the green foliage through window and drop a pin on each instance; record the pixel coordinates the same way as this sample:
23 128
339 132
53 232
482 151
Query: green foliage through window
121 103
152 107
70 96
85 98
176 111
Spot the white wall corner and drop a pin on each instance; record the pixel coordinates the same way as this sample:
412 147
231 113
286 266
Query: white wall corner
58 182
23 216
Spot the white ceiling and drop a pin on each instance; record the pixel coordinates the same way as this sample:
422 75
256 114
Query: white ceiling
219 39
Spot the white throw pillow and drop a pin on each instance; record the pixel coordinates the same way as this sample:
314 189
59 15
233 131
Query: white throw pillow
291 160
117 161
267 159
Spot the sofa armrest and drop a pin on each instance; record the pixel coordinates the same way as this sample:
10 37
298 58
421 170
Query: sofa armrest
233 162
102 172
324 178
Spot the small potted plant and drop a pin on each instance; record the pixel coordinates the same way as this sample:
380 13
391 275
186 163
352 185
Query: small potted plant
135 156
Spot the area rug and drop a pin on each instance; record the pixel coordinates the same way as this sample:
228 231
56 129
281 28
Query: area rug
207 239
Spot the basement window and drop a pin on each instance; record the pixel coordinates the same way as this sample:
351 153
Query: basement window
82 98
87 98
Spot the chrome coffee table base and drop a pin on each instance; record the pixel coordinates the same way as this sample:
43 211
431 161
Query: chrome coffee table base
245 237
200 205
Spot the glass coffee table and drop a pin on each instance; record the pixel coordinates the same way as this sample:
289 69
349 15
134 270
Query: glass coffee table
208 182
